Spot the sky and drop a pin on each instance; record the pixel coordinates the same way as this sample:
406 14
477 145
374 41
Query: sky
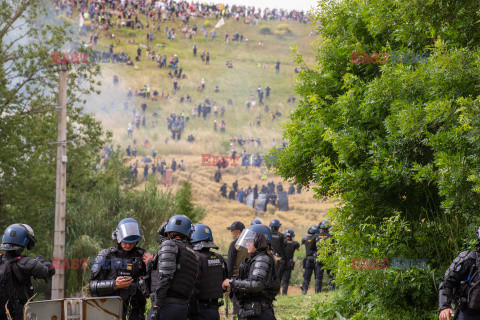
280 4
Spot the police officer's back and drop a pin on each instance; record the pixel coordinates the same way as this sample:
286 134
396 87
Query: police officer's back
117 271
204 302
323 236
16 270
290 247
309 263
278 239
462 284
257 285
175 269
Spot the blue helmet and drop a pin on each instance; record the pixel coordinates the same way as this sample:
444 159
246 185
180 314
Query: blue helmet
325 224
128 231
289 233
201 232
180 224
15 237
275 223
313 229
256 221
202 237
263 229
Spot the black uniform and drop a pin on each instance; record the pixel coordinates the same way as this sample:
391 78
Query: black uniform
255 288
278 243
175 269
231 195
208 288
217 177
115 262
460 279
323 236
310 263
23 268
290 247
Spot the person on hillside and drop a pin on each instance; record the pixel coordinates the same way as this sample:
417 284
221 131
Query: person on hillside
277 66
223 190
217 177
231 195
310 264
323 236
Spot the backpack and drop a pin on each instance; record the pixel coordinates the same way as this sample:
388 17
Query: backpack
6 280
272 289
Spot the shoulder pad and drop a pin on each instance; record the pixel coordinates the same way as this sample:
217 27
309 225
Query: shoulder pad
304 238
168 246
464 256
26 263
260 267
167 258
106 252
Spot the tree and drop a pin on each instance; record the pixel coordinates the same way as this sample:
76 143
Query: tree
28 117
397 143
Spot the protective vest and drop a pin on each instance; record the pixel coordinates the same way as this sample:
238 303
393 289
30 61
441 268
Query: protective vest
310 244
277 243
289 249
186 274
125 264
211 276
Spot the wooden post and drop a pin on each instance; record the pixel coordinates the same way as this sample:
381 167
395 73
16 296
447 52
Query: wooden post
58 283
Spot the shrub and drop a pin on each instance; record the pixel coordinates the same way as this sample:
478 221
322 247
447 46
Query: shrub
282 29
265 30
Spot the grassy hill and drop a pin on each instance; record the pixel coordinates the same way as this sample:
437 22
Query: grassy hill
236 84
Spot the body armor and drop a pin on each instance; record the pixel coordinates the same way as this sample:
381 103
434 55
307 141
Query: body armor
112 263
212 274
278 243
290 247
310 243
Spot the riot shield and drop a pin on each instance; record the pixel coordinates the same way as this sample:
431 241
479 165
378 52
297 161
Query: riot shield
261 202
282 201
250 200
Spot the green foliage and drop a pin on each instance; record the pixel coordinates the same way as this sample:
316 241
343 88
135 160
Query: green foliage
184 204
265 30
396 143
282 29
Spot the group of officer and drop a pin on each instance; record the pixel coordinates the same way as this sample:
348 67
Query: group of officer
185 280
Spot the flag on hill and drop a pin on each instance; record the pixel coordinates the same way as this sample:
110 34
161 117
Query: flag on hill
220 23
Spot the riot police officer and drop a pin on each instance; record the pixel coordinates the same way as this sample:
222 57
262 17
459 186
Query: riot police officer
278 239
118 270
16 270
257 284
310 263
290 247
461 283
208 290
323 236
174 270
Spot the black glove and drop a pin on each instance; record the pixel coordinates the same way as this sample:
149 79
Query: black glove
155 313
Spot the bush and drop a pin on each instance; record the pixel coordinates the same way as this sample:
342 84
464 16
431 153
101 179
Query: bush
282 29
265 30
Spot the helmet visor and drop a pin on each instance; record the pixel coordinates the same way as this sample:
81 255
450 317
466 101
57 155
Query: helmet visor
246 239
129 233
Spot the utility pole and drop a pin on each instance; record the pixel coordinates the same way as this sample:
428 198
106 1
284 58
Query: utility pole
58 283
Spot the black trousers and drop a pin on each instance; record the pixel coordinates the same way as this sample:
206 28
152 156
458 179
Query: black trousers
466 316
287 274
311 266
171 311
266 315
208 313
134 308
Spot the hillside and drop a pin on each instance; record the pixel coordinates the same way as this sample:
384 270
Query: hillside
237 84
